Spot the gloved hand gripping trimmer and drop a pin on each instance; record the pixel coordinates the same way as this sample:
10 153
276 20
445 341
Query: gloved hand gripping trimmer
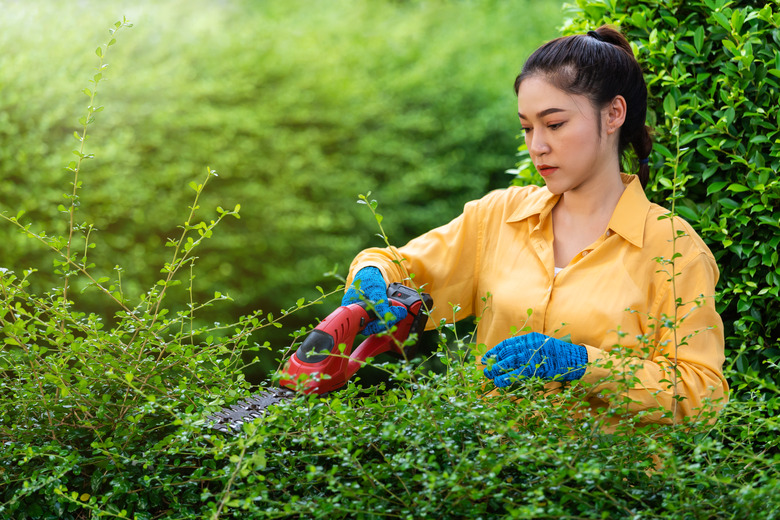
325 360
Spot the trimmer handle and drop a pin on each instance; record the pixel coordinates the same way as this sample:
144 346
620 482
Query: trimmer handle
326 354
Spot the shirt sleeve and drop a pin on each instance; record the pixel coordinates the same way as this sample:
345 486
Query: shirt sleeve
442 262
670 368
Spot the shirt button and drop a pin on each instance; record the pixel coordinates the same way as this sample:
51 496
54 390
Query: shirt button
584 253
609 232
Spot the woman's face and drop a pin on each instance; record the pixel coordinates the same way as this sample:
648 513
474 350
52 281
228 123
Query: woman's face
568 146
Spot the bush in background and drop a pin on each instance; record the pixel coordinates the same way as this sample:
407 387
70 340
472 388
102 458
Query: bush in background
299 107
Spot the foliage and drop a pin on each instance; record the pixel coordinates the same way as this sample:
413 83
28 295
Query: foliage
112 427
298 107
713 72
104 418
434 447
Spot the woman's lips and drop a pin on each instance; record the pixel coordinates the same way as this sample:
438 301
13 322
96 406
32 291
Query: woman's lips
545 169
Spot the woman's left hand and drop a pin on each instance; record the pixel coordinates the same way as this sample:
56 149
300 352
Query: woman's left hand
534 355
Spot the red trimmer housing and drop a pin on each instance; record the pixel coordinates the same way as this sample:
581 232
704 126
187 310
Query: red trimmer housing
325 360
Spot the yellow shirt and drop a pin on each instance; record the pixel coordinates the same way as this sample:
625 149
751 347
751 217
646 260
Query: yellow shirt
496 261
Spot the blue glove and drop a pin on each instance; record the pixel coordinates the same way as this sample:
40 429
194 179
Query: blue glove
537 355
371 286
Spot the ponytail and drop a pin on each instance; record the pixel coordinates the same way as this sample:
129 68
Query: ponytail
643 146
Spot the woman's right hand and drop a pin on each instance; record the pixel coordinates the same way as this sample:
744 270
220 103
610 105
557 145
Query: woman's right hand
369 286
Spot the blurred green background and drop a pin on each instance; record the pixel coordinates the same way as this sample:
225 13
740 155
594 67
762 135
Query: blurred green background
298 106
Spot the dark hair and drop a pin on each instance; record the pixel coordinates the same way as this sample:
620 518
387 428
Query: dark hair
599 65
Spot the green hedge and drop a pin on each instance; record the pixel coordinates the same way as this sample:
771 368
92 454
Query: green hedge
108 423
713 74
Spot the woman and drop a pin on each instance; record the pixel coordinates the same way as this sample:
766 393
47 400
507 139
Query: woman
587 257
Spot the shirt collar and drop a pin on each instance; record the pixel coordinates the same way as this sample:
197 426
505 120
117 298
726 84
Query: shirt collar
541 202
628 219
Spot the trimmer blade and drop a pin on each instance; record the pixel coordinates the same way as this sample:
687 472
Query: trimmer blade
230 419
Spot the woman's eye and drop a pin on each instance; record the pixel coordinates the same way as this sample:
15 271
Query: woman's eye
554 126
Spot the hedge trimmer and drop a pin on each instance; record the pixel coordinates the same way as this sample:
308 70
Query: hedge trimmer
325 361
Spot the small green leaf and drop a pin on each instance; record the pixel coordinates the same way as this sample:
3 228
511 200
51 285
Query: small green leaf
698 38
715 187
737 188
722 20
670 105
728 203
737 19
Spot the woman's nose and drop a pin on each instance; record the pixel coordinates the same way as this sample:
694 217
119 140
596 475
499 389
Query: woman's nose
537 144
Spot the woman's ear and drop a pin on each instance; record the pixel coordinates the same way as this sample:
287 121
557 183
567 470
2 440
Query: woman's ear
615 113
